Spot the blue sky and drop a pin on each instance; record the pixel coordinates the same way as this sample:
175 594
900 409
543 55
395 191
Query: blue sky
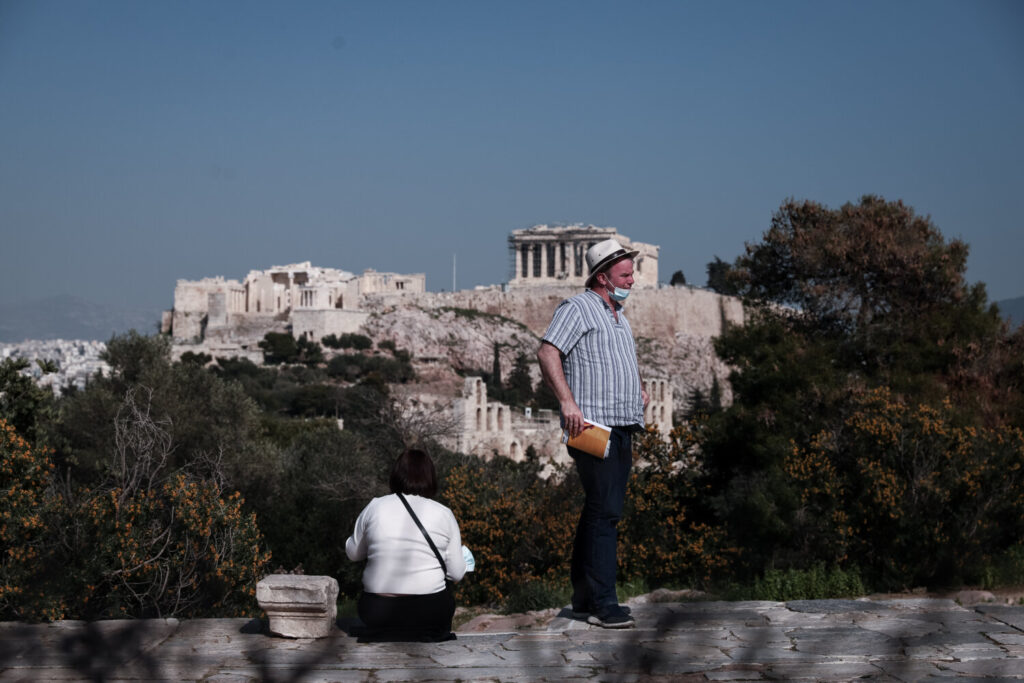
146 141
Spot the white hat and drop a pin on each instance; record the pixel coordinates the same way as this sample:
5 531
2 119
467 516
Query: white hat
603 254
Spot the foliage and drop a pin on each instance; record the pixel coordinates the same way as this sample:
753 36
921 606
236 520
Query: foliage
282 348
27 509
327 476
720 277
518 526
200 359
132 355
880 283
356 366
208 417
816 583
518 390
678 279
145 542
23 404
348 340
1005 569
660 540
537 595
841 302
155 542
914 497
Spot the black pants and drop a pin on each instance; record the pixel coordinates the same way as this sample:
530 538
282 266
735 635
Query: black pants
420 617
595 548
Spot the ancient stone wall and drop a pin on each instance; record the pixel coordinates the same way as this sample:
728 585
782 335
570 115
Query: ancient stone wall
655 313
318 323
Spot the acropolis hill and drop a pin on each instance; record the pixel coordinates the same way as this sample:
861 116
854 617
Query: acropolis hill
457 331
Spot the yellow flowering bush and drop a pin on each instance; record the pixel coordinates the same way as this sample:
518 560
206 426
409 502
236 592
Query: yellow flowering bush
909 494
661 540
520 527
179 549
27 506
143 543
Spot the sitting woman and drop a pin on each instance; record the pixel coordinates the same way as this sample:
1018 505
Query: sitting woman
406 593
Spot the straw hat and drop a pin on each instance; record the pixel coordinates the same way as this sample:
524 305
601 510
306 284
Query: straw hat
603 254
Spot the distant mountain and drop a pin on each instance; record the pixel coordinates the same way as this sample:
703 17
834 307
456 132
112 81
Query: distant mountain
1012 310
70 317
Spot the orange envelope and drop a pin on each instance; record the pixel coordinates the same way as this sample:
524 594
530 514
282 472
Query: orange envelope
593 439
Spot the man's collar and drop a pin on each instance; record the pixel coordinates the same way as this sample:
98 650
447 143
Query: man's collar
614 305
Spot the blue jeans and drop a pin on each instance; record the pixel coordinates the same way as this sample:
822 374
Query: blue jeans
594 551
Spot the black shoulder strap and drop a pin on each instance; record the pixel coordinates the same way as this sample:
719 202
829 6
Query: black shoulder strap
433 547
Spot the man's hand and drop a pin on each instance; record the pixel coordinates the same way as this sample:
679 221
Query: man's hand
645 397
572 417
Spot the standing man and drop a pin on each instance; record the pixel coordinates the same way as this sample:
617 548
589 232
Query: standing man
588 358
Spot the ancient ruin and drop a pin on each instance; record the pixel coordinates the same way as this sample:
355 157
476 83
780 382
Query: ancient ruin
458 332
228 316
555 255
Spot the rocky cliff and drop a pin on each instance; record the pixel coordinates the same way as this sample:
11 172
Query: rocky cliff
674 327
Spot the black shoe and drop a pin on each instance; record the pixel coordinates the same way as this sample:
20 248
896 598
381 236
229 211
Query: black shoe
613 617
584 612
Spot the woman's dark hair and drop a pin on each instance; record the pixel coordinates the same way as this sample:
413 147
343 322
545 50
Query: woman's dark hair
414 473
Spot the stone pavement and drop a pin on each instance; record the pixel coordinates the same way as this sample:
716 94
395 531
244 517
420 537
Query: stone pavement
815 640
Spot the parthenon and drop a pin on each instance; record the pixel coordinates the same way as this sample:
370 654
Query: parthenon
555 255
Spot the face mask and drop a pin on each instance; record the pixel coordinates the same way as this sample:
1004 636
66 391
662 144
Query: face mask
619 294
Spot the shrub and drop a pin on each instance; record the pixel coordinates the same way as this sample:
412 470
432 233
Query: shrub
519 527
348 367
348 341
27 509
537 595
661 541
917 499
279 347
1006 569
148 542
200 359
816 583
183 549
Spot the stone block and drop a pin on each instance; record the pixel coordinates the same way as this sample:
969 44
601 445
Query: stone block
299 606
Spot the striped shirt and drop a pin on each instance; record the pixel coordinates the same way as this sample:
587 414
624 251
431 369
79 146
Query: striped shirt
598 359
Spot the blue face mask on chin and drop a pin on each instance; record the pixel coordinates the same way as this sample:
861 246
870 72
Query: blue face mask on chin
619 294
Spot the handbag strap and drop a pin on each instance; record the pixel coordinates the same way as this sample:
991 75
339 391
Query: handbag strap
430 541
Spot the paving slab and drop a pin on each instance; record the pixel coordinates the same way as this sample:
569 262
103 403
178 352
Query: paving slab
828 640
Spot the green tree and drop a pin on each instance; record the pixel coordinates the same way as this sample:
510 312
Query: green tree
279 347
130 355
200 359
154 539
28 508
678 279
309 352
23 404
210 418
519 389
840 301
719 277
359 342
494 381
